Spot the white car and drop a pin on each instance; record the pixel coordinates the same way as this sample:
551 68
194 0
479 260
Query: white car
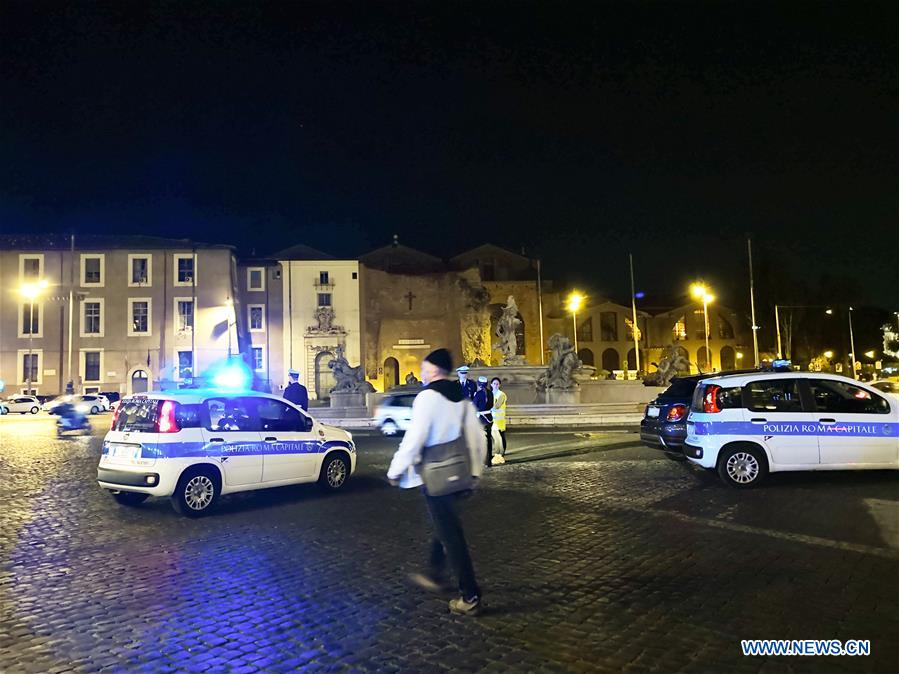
394 414
90 403
22 404
746 426
195 446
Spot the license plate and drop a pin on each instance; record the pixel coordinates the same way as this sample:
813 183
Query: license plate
652 412
123 453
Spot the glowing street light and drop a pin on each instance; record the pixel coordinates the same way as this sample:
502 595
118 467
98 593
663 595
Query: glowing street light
700 291
828 355
574 303
31 291
870 354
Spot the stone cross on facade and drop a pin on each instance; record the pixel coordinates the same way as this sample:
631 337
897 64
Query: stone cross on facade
409 296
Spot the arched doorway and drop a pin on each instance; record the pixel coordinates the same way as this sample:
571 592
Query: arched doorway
632 360
586 356
728 358
610 360
391 373
703 362
324 378
140 381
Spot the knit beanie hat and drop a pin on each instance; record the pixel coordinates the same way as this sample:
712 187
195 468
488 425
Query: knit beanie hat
441 358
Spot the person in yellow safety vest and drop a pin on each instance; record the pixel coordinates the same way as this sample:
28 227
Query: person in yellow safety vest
499 414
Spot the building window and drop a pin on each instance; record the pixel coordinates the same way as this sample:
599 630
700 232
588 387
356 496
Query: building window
725 329
258 361
184 314
679 331
185 365
585 330
92 268
139 316
140 271
92 318
355 275
488 271
699 320
256 278
30 367
324 299
323 278
31 267
256 316
92 365
185 272
608 325
30 320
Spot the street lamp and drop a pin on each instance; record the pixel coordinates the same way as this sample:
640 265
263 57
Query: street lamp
31 291
852 343
575 302
870 354
828 355
701 292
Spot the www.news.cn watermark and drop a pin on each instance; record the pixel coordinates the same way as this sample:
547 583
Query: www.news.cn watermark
817 647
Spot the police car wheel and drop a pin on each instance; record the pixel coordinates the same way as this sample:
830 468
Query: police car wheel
389 428
129 498
742 466
196 493
335 472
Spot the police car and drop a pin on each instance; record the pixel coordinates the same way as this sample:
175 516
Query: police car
746 426
196 445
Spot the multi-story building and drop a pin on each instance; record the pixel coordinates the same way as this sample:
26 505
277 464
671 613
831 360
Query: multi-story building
115 313
261 290
320 315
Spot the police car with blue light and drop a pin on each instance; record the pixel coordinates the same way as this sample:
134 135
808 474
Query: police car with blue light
748 425
196 445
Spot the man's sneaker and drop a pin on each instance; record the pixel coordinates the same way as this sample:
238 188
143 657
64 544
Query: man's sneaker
462 606
435 585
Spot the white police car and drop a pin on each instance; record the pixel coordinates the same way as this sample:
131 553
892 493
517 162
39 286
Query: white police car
195 445
746 426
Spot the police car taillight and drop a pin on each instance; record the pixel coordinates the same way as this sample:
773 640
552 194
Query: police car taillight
115 416
710 399
165 417
677 412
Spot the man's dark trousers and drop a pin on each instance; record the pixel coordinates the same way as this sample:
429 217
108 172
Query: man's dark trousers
450 543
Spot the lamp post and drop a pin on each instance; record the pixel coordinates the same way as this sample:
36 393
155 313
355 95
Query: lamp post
31 291
701 292
851 344
575 301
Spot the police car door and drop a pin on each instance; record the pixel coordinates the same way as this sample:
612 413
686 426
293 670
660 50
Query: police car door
229 431
776 417
856 426
291 451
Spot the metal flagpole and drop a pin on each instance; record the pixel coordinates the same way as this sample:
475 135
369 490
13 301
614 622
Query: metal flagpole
755 327
634 310
852 344
70 386
540 311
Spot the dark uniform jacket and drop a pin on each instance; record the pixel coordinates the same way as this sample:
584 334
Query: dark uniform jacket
483 401
297 394
469 388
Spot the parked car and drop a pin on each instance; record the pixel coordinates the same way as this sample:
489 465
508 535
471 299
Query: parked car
746 426
664 423
886 386
194 446
394 413
111 396
88 404
22 404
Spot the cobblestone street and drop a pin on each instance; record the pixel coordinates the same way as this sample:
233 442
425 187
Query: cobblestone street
617 560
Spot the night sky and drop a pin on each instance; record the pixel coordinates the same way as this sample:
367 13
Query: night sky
577 130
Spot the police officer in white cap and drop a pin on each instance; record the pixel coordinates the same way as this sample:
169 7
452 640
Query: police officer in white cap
295 392
468 386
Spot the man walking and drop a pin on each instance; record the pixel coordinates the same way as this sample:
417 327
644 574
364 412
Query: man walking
295 392
440 414
468 386
483 402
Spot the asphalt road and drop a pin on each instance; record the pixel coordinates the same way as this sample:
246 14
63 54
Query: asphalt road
612 560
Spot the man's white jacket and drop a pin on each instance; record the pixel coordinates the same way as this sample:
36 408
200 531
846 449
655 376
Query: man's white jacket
440 413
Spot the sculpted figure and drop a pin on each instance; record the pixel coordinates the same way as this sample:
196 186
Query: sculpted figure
563 362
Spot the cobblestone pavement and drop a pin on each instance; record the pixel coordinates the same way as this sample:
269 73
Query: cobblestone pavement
619 560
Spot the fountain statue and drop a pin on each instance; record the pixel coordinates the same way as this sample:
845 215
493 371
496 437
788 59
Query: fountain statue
563 363
349 379
506 328
672 362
